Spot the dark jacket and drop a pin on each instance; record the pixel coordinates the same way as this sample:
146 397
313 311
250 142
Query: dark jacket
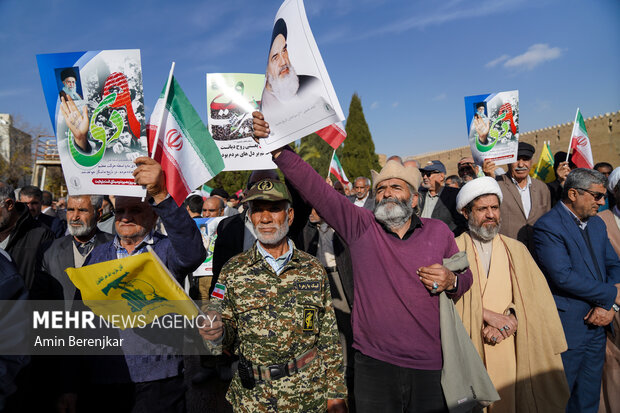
342 254
12 333
53 283
27 243
445 209
577 279
555 189
53 223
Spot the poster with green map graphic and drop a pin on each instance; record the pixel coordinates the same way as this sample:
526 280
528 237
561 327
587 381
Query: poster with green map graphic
493 126
96 105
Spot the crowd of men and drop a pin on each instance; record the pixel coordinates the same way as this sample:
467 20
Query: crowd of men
328 295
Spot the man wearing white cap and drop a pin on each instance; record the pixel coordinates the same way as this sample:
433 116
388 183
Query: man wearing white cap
509 294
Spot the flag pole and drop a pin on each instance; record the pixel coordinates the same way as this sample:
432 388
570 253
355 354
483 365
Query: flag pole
329 167
163 111
570 141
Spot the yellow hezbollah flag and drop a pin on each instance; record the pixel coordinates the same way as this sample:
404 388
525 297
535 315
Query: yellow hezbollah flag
139 285
544 168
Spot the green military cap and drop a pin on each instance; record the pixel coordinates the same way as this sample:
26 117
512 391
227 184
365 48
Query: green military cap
268 190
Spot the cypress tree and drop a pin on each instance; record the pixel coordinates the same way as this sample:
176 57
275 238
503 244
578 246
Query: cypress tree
357 154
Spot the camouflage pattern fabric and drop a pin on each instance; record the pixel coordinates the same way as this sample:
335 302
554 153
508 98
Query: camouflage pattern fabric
268 190
272 318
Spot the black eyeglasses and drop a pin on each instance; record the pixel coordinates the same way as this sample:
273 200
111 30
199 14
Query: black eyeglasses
429 173
596 195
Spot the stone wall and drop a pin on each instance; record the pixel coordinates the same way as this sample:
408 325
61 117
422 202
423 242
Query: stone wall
603 130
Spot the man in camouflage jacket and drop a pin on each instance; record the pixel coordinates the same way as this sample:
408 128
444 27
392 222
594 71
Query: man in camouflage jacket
277 314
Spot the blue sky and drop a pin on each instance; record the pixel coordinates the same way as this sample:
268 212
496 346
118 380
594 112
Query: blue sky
412 62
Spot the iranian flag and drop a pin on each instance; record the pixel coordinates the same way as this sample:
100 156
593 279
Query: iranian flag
333 134
185 149
580 144
335 168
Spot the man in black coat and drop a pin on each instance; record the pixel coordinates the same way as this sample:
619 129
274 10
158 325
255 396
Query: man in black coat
21 236
439 201
32 197
12 334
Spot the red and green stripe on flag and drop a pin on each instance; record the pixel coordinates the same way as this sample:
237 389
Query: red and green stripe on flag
186 151
335 168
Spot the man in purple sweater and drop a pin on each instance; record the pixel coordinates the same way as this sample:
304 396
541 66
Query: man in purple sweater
398 276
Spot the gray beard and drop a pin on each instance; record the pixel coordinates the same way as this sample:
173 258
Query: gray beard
393 213
276 237
284 89
82 230
482 232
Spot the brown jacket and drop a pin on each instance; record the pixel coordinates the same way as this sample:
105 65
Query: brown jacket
514 223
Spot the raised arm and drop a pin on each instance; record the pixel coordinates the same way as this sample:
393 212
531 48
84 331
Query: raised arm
347 219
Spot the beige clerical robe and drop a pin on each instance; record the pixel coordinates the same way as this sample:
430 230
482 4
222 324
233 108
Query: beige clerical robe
533 379
496 292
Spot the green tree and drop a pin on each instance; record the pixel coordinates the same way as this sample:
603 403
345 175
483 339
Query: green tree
316 152
231 181
357 154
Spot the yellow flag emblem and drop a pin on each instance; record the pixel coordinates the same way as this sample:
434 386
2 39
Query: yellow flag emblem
139 285
544 168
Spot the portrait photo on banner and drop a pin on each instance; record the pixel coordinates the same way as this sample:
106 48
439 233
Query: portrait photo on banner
69 83
298 98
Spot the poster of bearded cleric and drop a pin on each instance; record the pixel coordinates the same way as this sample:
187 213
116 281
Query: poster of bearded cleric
96 105
493 126
298 98
231 99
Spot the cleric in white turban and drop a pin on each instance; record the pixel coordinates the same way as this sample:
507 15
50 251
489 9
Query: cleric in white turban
613 179
509 294
475 188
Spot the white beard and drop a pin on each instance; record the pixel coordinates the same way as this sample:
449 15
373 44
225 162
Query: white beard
483 232
82 230
393 212
274 238
284 88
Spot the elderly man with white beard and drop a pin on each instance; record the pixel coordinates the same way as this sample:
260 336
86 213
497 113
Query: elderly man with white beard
277 313
283 83
397 275
509 294
83 211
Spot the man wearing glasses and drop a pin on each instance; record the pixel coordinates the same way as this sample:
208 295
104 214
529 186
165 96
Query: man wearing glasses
583 272
439 201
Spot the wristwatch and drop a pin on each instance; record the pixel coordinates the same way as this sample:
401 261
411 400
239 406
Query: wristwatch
615 307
